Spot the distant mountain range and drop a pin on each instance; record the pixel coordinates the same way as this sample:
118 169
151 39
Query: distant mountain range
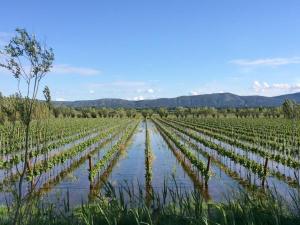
218 100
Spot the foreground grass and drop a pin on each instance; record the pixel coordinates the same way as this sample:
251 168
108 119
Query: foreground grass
125 206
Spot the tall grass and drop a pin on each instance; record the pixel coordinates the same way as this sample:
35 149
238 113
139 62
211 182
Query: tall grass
126 205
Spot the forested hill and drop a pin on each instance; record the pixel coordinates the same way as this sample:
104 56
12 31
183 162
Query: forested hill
220 100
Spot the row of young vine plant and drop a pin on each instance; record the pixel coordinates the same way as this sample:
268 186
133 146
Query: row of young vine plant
277 156
49 165
12 137
280 136
80 160
259 168
149 157
199 164
115 149
221 162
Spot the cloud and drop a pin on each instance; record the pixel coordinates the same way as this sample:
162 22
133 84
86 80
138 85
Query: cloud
194 93
147 91
120 84
67 69
4 71
4 38
64 69
275 88
212 91
150 90
266 61
137 98
91 91
60 99
256 86
126 89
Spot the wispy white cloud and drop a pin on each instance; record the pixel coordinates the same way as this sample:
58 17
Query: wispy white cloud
127 89
266 61
150 91
3 71
68 69
60 99
275 88
57 68
137 98
120 84
4 38
194 93
209 88
63 69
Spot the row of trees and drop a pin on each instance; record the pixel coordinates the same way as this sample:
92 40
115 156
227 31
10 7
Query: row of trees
179 112
93 112
11 109
226 112
204 112
289 110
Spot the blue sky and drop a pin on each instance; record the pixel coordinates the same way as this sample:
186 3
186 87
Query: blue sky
147 49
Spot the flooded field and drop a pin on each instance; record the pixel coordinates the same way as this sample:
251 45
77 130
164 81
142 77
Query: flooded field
148 155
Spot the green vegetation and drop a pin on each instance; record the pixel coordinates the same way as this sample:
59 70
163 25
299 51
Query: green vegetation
246 208
148 165
256 150
263 147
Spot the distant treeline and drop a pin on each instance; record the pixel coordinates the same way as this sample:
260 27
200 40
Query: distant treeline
8 113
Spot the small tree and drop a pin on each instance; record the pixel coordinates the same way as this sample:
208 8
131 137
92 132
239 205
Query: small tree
145 113
131 113
291 111
180 111
47 96
29 62
162 112
120 112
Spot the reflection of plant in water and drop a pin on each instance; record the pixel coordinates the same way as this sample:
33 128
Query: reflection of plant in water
63 156
174 170
187 153
71 177
186 165
148 164
123 205
116 149
234 175
96 185
254 166
74 165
